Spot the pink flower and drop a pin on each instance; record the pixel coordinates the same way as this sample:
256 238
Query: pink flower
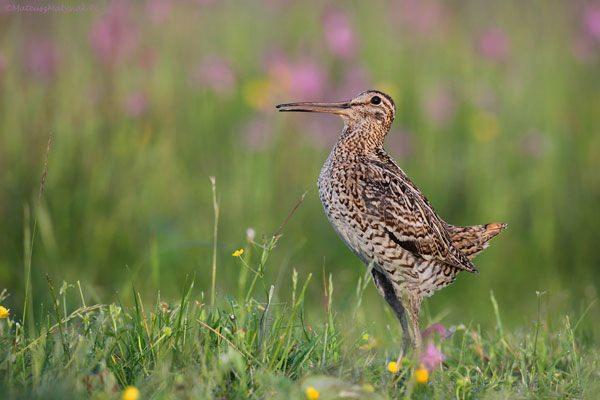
6 6
585 45
307 80
339 33
432 357
591 21
113 35
42 58
439 328
494 45
135 104
299 79
215 73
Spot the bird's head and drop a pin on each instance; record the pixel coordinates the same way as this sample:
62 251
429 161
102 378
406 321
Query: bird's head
372 108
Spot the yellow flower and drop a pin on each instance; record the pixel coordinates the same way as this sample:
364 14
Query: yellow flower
130 393
238 253
422 375
312 393
393 367
368 342
257 94
484 126
4 312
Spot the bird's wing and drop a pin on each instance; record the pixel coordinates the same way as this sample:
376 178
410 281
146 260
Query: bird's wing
408 218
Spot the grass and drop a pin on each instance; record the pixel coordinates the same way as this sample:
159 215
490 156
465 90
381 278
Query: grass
249 348
127 195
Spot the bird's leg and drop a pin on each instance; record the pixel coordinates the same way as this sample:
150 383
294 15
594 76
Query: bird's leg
386 289
406 336
413 306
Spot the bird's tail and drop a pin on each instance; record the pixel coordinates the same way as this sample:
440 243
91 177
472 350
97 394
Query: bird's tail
471 240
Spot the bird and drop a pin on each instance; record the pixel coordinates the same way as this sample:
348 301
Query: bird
384 218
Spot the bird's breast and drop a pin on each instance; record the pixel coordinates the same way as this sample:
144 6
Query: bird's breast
343 207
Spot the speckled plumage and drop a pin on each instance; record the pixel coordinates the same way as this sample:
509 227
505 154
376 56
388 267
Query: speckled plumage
384 218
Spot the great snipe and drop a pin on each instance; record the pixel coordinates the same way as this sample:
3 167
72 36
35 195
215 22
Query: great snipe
384 218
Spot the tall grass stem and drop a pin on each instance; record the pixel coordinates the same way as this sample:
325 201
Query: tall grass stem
213 280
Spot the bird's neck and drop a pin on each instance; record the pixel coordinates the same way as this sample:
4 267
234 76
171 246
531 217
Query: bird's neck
360 138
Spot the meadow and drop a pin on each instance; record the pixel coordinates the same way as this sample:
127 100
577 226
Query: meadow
140 153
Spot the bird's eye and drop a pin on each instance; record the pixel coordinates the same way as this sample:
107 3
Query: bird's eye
375 100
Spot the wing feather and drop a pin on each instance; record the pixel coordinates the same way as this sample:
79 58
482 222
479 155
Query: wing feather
407 216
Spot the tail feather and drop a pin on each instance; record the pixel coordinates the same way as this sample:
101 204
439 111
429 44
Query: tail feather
471 240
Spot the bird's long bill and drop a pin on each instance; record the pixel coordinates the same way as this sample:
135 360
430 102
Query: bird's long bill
330 108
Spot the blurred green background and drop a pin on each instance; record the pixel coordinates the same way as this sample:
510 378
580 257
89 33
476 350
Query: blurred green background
498 116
